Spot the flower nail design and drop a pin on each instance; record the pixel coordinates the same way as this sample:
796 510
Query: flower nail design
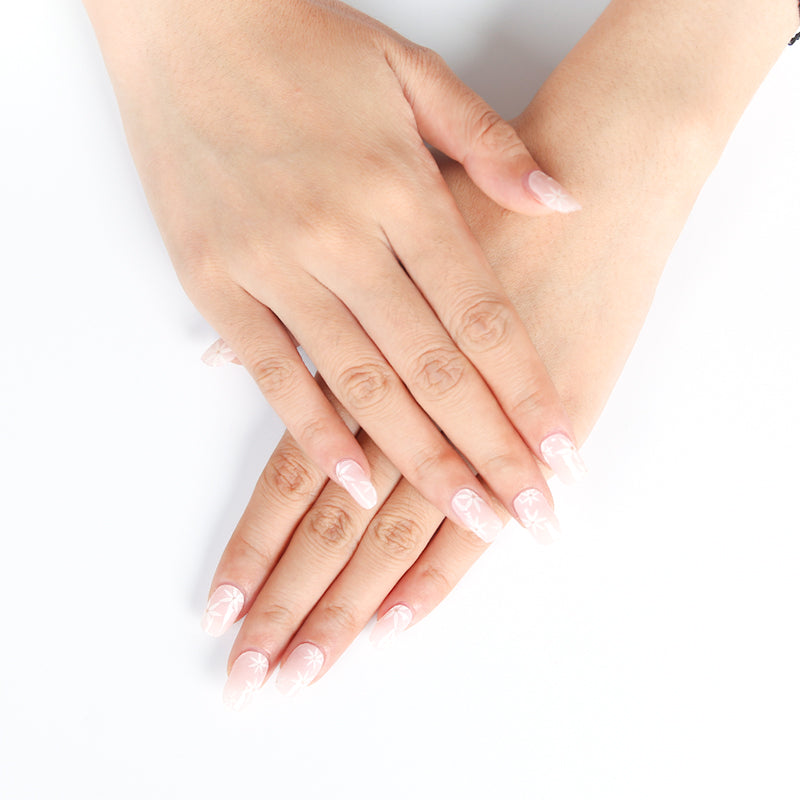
246 678
218 354
551 193
561 455
354 480
393 622
476 514
302 666
536 515
222 610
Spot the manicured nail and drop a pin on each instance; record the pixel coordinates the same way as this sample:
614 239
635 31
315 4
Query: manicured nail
222 610
476 514
561 455
302 666
551 193
394 621
353 478
218 354
246 678
536 515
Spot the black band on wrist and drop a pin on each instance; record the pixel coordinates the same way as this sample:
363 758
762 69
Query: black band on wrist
797 35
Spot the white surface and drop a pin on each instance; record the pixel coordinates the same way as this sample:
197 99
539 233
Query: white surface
652 654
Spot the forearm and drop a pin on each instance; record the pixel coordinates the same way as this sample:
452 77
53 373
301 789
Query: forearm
683 72
633 121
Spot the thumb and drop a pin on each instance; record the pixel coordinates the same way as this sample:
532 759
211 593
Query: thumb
455 120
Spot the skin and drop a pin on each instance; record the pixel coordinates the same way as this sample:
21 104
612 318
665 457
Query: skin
281 148
658 102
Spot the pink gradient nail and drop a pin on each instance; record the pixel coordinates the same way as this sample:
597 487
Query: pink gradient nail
561 455
302 666
536 515
476 514
246 678
392 623
551 193
354 480
218 354
222 610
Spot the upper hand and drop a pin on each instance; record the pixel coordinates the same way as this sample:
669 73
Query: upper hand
281 148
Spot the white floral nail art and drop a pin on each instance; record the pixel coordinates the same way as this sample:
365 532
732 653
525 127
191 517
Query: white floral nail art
354 480
218 354
535 514
551 193
563 458
222 610
246 678
302 666
476 514
392 623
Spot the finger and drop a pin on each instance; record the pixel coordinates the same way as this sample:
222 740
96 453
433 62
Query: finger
393 541
285 491
444 562
454 119
447 385
319 548
448 266
358 374
260 341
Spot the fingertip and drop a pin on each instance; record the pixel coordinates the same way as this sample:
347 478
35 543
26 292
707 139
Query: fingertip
222 610
550 193
354 479
219 354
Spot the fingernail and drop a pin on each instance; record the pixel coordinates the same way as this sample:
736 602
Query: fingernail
561 455
353 478
476 514
551 193
222 610
218 354
536 515
393 622
302 666
246 678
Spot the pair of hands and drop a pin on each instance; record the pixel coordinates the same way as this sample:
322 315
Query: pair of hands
307 567
282 149
659 114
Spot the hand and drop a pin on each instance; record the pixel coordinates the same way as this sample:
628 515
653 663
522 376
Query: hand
281 148
584 299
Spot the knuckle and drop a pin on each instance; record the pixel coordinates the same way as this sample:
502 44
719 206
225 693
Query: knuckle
507 465
315 432
399 537
438 582
433 460
366 386
437 372
492 132
531 405
339 616
289 474
423 57
273 615
250 548
273 374
330 527
484 324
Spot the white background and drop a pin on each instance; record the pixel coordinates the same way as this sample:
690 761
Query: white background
652 653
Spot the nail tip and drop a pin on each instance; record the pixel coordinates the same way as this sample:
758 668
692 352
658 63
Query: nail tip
370 500
551 194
